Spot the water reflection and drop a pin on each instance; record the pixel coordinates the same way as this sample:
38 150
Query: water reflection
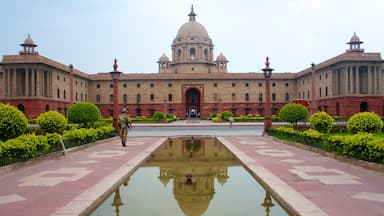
190 166
193 165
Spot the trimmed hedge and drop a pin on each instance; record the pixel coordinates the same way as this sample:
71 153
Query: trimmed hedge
364 122
29 146
52 122
13 123
293 113
363 146
24 147
84 113
321 122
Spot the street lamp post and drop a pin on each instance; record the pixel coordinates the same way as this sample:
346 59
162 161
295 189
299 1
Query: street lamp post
165 111
115 77
313 101
267 75
71 90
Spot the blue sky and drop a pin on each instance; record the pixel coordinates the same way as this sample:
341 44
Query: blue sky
90 33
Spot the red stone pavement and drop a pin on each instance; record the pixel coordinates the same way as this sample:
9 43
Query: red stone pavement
334 187
56 183
309 183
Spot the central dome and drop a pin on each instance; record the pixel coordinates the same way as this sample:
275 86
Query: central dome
192 30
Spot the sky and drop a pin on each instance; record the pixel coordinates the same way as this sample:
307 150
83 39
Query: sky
90 34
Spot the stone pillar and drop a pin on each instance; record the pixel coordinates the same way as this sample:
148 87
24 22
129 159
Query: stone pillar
345 80
357 80
7 90
14 83
371 83
26 92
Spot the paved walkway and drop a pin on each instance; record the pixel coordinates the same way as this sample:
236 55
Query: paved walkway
309 183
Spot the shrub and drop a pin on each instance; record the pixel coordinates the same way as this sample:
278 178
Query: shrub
364 122
24 147
275 117
321 122
13 123
293 113
225 115
170 115
84 113
158 116
52 122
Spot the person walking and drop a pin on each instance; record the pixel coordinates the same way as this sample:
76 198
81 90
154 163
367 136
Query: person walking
124 124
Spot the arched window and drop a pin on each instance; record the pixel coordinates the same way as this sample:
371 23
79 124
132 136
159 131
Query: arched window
246 96
21 107
206 54
152 98
286 97
192 53
98 98
169 97
260 97
111 98
337 109
179 52
273 96
215 97
233 97
125 98
138 98
65 94
58 93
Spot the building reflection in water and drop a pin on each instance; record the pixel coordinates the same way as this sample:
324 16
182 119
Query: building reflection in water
192 164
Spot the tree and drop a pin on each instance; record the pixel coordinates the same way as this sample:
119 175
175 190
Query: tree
13 122
293 113
321 121
52 122
364 122
84 113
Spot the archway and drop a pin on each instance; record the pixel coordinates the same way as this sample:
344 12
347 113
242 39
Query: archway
364 107
192 103
21 107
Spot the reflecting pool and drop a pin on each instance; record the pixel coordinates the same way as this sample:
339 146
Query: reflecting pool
190 176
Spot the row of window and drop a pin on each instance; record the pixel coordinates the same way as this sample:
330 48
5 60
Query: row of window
76 82
215 97
77 95
309 95
138 85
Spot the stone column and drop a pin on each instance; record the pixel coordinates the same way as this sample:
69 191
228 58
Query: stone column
370 80
7 82
14 83
357 80
26 91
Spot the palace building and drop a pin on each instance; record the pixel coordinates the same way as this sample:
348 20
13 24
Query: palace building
194 83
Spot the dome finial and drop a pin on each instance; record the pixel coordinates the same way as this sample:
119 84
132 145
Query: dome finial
192 15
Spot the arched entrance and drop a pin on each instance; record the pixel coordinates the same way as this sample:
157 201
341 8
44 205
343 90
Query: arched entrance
192 103
364 107
21 107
